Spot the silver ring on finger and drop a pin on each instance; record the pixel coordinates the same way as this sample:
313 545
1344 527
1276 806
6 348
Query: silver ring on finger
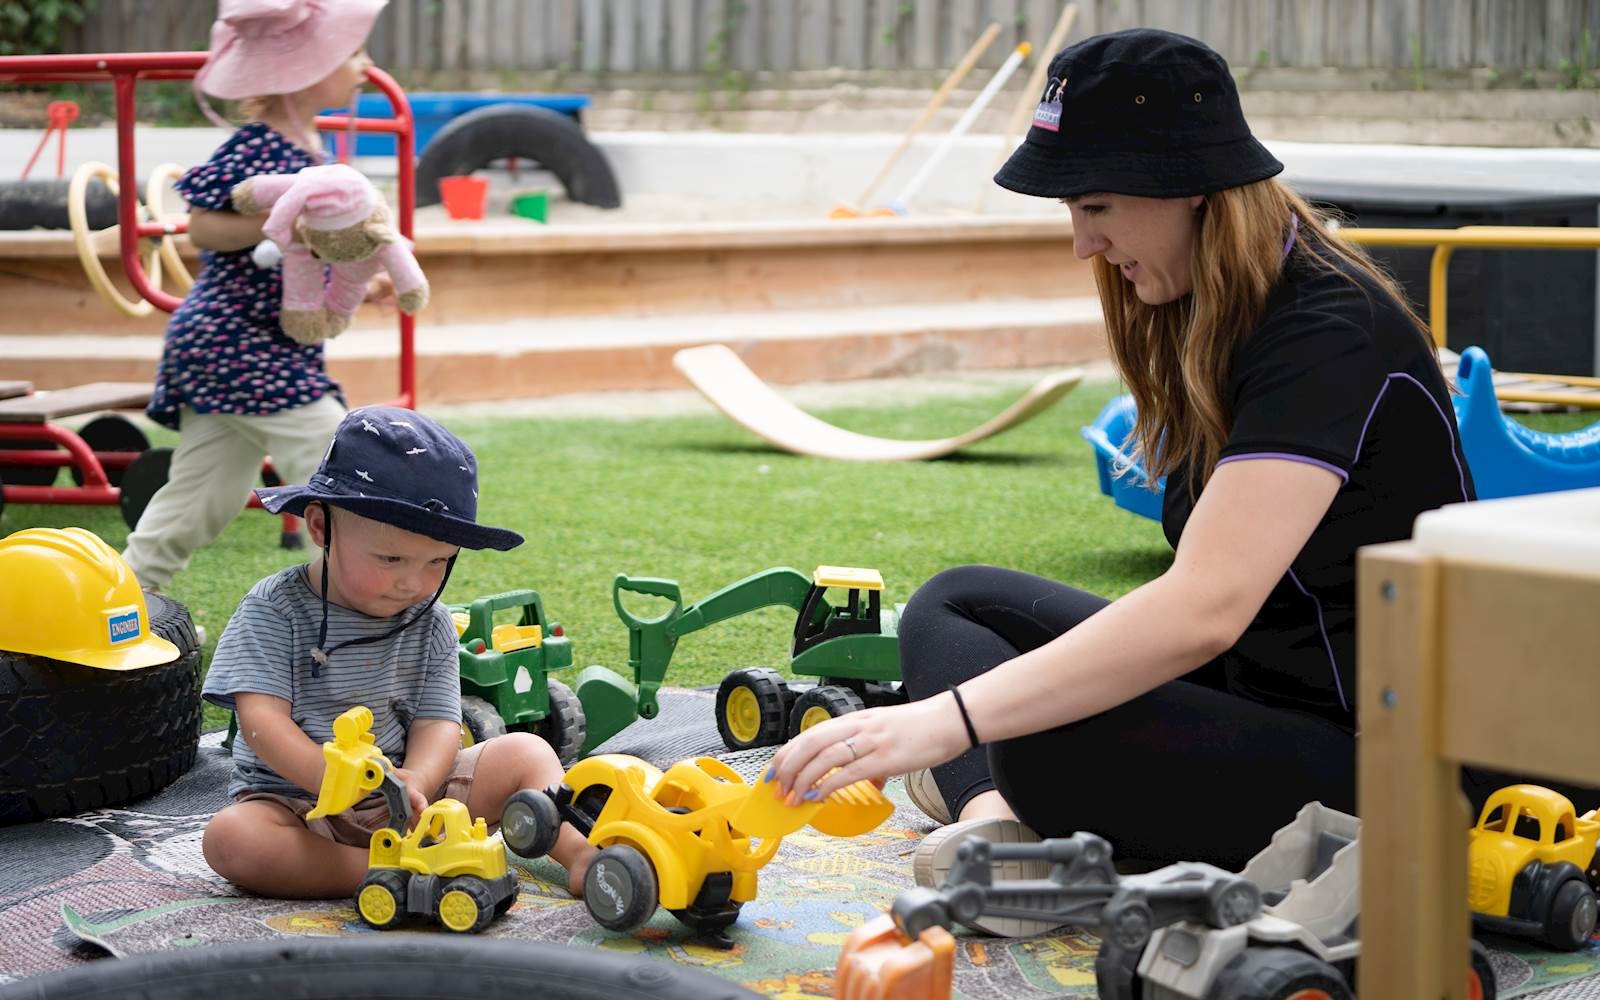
850 745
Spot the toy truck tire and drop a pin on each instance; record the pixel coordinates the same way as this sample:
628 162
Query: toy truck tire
821 703
750 708
1481 982
479 721
466 905
77 738
381 898
1572 916
530 823
1278 974
620 888
565 727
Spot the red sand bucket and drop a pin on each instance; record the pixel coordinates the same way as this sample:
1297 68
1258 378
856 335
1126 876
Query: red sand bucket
464 197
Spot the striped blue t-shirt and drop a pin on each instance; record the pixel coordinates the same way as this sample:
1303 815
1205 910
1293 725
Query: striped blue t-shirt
266 649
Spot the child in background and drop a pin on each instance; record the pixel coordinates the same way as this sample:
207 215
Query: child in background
391 505
229 379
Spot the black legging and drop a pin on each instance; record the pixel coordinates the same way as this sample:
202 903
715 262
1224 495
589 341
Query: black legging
1185 772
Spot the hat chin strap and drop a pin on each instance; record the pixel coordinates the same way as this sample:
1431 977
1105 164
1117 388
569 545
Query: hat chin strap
320 653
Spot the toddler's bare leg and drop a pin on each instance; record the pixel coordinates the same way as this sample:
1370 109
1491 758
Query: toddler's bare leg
263 847
516 761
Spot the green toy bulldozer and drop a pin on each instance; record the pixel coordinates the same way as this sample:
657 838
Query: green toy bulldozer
850 648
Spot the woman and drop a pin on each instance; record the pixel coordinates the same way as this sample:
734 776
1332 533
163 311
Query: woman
1297 408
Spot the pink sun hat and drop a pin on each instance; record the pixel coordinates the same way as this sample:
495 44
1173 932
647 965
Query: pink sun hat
265 47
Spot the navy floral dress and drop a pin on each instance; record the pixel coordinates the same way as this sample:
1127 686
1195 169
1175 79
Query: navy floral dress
224 351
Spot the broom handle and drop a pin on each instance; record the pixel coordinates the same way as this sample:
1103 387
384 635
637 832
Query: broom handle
936 102
980 102
1029 99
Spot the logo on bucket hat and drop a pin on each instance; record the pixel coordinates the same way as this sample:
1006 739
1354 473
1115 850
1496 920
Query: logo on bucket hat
402 468
1149 113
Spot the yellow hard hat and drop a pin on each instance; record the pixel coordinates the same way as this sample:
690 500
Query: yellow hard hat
67 595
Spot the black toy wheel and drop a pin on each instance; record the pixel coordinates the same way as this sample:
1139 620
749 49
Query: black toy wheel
620 888
538 135
1231 902
381 898
29 475
1481 981
564 728
1279 974
77 738
111 432
821 703
530 823
349 968
750 708
479 721
1572 916
466 905
141 480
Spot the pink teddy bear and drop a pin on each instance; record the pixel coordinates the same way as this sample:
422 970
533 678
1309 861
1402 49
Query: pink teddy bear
330 215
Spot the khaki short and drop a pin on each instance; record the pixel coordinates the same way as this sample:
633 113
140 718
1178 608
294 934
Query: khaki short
356 826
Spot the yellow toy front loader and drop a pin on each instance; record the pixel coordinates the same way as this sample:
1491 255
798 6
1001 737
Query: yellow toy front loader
447 867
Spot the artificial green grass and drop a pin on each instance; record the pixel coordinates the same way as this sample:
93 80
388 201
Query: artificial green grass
700 500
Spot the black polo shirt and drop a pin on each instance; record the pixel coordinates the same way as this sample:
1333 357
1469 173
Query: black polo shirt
1338 377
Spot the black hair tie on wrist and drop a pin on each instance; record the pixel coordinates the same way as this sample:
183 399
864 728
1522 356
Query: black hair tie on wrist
972 734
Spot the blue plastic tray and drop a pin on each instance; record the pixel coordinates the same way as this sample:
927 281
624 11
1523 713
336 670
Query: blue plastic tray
433 110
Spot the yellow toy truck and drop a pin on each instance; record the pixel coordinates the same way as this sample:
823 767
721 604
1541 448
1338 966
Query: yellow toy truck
447 867
1532 867
690 839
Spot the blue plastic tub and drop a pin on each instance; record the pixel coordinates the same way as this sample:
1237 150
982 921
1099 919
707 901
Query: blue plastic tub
1125 482
433 110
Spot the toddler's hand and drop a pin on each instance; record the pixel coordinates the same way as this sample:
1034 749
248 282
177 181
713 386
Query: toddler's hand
380 292
414 794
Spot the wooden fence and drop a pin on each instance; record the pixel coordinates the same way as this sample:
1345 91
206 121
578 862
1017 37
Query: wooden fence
694 36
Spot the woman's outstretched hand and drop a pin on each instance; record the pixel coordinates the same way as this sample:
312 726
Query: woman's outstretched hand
873 744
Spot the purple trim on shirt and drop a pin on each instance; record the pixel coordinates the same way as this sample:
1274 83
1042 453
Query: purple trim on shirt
1287 456
1327 644
1455 456
1294 230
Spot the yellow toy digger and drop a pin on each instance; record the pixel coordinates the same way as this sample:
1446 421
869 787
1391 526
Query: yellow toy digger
691 838
448 867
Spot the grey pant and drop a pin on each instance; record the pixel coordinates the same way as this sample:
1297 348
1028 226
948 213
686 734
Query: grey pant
217 462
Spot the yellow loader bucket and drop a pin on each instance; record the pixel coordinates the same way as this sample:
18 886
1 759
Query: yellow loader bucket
353 764
848 812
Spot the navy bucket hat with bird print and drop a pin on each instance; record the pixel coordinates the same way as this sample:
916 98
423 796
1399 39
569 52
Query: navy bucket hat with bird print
399 467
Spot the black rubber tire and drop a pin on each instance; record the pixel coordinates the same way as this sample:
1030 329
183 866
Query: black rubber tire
530 823
564 728
1483 971
620 888
836 701
1572 916
767 687
554 141
1276 974
479 721
395 883
477 891
447 967
42 204
29 475
141 481
111 432
79 738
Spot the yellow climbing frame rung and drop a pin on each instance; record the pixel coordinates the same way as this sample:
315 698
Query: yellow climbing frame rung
1445 242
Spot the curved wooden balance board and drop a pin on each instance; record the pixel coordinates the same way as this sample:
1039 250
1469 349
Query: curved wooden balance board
745 399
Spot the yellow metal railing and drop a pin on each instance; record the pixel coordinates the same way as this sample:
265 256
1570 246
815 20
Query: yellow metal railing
1445 241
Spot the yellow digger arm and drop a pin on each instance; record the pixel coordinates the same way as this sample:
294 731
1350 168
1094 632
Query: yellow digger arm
353 766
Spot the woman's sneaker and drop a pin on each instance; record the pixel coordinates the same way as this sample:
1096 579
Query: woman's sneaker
937 854
925 795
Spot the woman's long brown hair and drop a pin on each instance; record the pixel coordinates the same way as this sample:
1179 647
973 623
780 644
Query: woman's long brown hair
1177 358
